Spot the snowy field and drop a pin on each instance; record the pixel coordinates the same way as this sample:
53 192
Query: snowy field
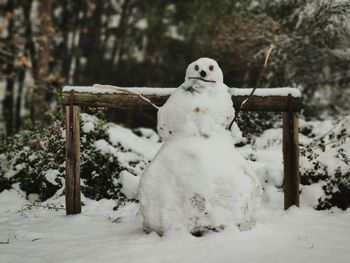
101 235
41 232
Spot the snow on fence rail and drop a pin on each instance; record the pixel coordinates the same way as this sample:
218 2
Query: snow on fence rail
286 100
275 99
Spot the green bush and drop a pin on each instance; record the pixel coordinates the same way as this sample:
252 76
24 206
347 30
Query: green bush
28 155
328 159
36 160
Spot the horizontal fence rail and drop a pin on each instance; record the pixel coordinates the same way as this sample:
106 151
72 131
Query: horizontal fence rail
274 99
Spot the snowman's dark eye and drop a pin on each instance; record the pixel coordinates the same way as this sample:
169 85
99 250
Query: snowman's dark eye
196 67
211 67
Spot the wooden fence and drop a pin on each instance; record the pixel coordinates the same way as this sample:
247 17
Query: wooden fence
286 100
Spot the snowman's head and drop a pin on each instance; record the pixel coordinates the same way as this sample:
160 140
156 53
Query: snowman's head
206 70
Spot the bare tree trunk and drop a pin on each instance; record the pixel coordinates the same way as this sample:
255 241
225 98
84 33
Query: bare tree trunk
117 51
30 47
95 57
28 52
40 96
78 44
70 28
8 103
8 100
21 77
65 28
98 25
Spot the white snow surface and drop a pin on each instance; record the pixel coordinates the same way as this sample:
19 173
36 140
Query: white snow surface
139 90
266 92
127 139
130 184
51 175
99 234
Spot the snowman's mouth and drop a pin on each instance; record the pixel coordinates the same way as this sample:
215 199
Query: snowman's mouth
206 80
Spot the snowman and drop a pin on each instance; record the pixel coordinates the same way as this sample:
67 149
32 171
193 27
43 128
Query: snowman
198 181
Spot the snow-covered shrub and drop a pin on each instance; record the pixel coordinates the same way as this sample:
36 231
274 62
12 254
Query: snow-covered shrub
324 163
108 151
98 169
326 160
35 159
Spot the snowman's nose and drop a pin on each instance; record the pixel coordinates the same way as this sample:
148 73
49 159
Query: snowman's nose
203 73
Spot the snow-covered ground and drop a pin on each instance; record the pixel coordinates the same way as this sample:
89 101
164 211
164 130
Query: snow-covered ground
100 234
41 232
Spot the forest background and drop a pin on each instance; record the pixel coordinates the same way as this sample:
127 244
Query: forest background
48 44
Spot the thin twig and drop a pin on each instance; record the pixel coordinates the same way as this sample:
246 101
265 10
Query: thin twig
110 87
268 53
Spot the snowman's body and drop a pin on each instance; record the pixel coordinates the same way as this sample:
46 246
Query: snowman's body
198 181
195 109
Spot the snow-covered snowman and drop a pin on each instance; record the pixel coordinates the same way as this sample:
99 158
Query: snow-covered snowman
198 181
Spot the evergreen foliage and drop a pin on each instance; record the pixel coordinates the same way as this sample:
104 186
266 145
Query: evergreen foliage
35 159
332 171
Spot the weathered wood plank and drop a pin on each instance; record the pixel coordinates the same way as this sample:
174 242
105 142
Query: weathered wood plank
72 176
291 159
127 101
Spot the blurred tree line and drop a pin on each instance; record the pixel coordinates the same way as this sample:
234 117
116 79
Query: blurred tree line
46 44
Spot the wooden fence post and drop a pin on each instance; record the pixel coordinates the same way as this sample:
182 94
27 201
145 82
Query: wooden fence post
72 176
290 157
